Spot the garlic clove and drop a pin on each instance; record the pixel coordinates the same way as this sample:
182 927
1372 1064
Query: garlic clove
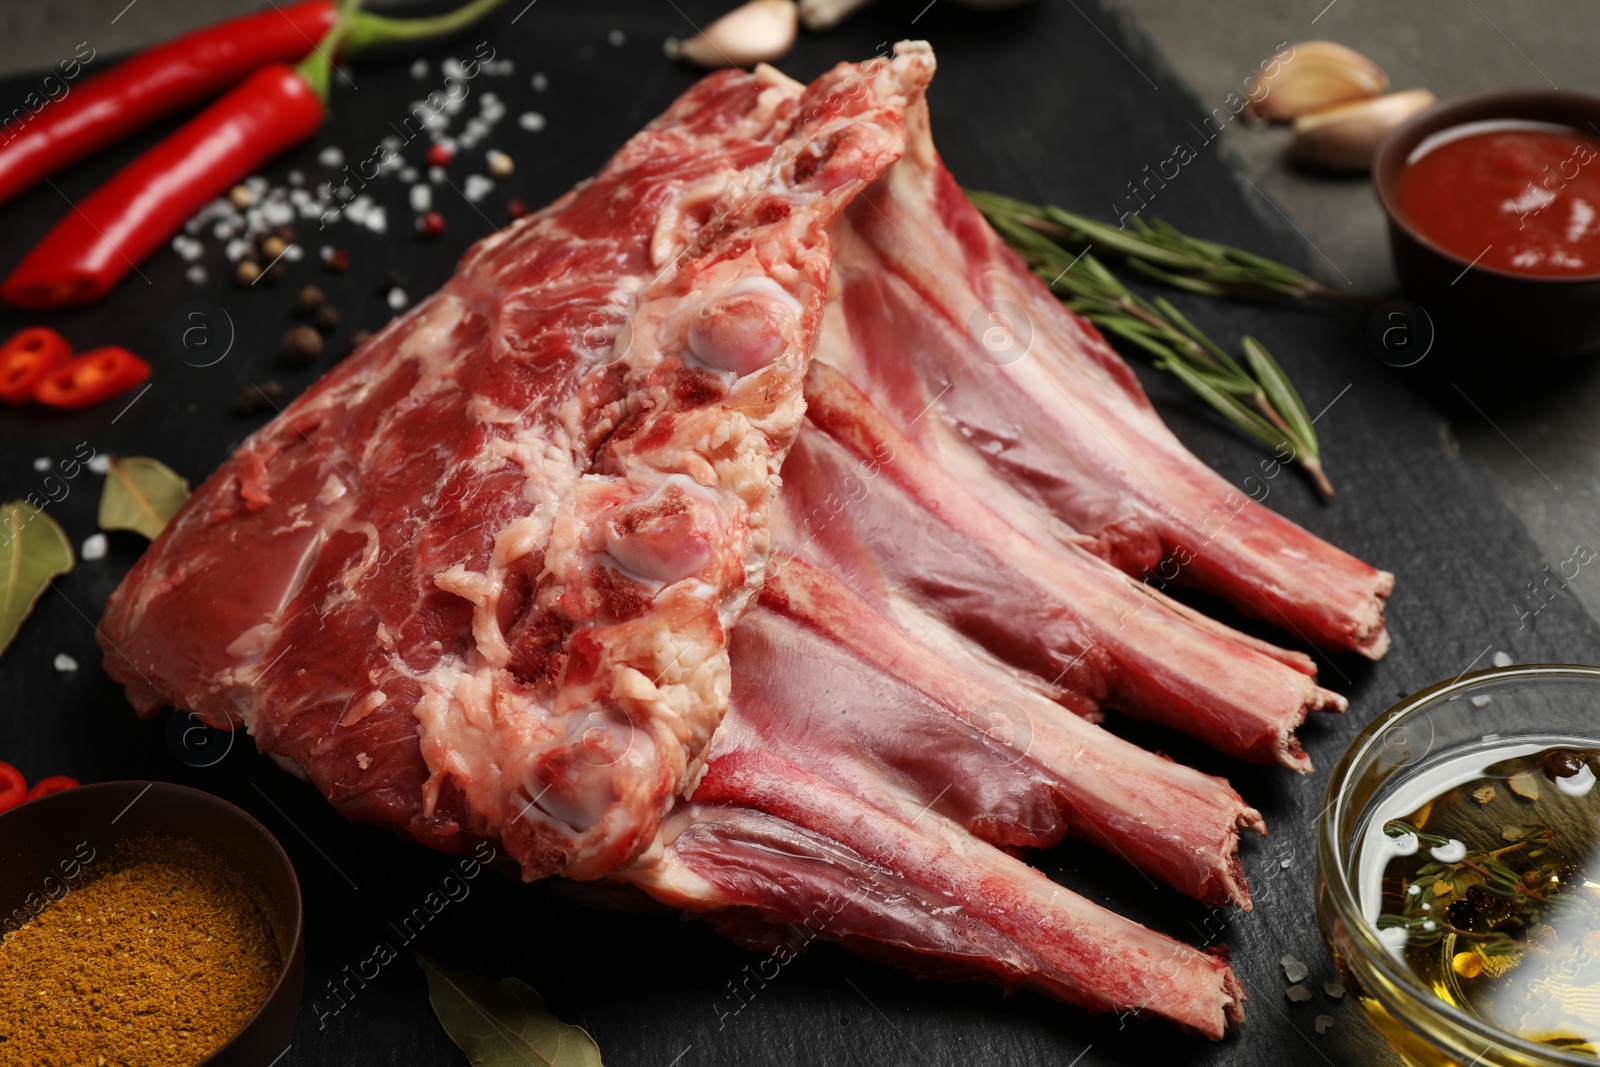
758 32
1313 75
1346 136
819 15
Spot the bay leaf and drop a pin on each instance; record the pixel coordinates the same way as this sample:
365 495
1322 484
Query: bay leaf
33 550
142 495
502 1023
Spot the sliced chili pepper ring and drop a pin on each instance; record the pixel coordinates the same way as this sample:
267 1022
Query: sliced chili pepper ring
91 378
13 787
27 359
56 783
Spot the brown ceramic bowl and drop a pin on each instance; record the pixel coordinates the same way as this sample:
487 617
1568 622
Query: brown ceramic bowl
44 842
1484 312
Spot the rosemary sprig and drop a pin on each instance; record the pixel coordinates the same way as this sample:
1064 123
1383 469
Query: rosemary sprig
1162 252
1259 400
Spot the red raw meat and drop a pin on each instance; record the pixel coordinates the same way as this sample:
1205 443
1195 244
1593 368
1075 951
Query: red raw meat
766 842
1047 410
870 506
829 680
521 521
481 580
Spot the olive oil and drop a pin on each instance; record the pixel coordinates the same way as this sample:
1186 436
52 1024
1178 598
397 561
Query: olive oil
1490 893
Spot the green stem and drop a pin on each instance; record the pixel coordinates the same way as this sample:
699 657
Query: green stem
317 68
372 31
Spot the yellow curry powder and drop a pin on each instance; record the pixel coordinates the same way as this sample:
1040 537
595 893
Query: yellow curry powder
155 964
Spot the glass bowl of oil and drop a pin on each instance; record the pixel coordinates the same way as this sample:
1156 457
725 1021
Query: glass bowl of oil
1459 870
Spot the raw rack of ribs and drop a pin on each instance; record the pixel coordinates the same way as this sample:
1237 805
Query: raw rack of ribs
497 575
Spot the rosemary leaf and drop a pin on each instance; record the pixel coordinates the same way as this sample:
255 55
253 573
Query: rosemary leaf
1129 331
1165 307
1282 394
1230 407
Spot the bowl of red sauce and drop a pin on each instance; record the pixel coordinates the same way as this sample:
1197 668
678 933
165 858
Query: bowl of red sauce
1493 201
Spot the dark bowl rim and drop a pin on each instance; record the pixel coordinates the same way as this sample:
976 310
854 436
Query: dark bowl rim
192 795
1441 115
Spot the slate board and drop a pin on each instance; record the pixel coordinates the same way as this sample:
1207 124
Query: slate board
1050 102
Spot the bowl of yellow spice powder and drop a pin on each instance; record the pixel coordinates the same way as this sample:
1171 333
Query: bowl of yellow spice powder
145 924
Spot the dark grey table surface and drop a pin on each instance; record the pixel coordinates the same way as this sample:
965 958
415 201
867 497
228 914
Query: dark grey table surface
1427 515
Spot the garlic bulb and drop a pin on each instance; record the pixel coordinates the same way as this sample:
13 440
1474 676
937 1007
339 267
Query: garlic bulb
758 32
1313 75
1345 137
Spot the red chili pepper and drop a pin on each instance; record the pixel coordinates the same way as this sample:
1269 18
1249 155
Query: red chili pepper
97 244
27 358
439 155
13 787
164 79
92 248
56 783
91 378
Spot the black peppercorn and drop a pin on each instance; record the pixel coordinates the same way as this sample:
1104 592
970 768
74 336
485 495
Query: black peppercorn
301 345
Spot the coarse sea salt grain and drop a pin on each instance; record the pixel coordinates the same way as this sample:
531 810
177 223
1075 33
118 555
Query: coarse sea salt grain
616 38
65 663
100 464
94 547
187 248
421 198
531 121
477 187
1501 659
197 274
42 463
397 298
419 69
540 83
332 156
